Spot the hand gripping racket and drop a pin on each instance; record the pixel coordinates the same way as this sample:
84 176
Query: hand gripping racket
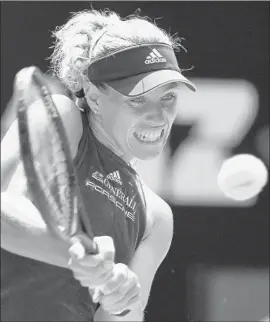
50 172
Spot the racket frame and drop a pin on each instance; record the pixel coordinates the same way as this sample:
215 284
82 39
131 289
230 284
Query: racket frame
34 77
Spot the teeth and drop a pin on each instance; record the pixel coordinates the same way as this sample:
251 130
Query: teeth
148 136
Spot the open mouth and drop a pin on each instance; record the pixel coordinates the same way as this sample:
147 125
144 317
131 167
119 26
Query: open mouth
150 137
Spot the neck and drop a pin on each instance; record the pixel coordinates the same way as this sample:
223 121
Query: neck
102 136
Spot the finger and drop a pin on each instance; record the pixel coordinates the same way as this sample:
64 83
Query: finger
97 271
104 279
77 250
93 279
121 296
88 282
114 283
121 272
133 304
85 282
96 295
86 242
106 276
104 244
106 247
106 250
100 282
79 245
126 289
91 261
97 260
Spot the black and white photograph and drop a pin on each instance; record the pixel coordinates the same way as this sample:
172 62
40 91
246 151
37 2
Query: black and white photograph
135 161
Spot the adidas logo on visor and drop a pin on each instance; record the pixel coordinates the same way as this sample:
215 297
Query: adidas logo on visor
155 57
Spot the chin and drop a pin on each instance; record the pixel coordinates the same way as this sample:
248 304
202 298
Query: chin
147 155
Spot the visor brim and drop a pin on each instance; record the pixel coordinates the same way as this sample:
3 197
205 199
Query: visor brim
143 83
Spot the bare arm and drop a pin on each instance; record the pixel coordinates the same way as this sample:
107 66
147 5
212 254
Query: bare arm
148 257
23 230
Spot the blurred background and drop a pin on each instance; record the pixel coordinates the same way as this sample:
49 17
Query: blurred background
218 265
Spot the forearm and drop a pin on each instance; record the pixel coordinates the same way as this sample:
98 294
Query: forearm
24 233
103 316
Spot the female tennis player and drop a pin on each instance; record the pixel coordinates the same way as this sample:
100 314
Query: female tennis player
125 79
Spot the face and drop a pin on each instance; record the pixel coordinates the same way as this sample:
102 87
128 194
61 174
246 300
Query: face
139 126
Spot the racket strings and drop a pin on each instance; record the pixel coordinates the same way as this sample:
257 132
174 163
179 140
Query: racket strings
47 159
54 177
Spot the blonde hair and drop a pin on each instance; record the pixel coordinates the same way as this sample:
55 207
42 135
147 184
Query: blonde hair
91 34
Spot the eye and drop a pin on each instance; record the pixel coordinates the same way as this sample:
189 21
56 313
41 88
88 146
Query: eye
169 97
138 100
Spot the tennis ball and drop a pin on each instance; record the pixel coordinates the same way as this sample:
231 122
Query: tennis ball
242 177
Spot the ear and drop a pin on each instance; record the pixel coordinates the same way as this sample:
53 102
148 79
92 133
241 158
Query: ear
92 95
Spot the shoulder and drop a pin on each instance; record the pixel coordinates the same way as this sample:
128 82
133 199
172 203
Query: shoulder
72 120
66 106
159 213
69 112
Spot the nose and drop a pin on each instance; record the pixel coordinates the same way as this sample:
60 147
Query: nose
155 115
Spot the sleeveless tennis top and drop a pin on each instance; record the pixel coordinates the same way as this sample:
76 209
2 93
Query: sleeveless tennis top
114 199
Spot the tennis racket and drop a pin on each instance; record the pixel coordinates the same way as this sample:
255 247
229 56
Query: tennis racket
50 172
